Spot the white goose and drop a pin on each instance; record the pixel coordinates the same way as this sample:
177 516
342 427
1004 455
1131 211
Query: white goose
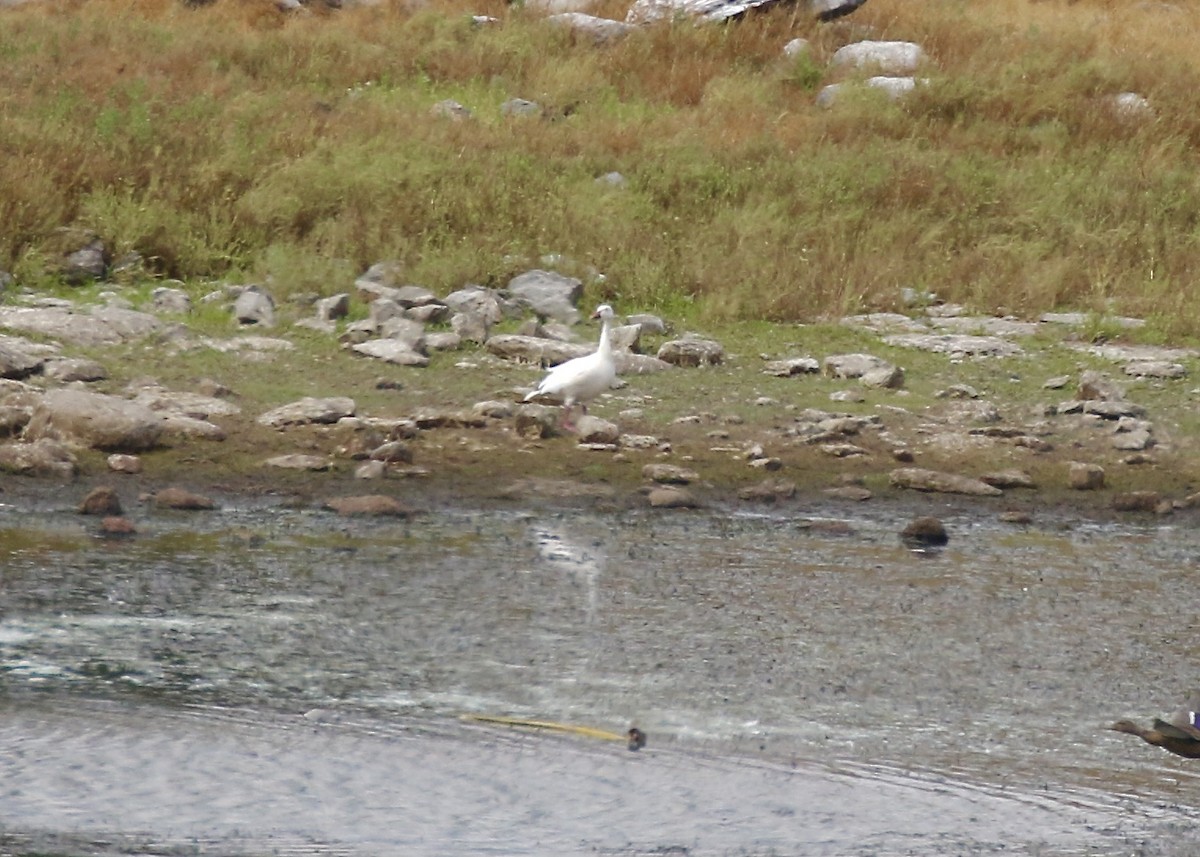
582 379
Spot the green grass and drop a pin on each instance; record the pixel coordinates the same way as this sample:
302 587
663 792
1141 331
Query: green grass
234 141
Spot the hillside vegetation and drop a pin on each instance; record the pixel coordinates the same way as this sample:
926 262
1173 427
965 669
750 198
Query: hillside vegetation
234 141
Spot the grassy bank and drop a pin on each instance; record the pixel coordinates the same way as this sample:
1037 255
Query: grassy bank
238 142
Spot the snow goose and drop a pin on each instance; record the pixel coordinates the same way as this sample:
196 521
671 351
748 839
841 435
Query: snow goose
578 381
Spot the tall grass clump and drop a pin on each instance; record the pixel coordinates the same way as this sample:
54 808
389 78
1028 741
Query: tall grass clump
233 140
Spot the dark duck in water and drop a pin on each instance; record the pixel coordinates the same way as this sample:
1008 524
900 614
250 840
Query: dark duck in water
1179 735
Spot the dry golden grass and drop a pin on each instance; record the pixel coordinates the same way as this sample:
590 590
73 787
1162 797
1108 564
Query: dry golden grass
234 140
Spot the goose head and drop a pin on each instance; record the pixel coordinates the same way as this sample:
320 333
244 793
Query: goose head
603 312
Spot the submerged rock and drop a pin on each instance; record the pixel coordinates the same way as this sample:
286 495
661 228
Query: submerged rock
182 499
378 505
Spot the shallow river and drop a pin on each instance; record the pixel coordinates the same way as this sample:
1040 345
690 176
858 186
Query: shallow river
269 681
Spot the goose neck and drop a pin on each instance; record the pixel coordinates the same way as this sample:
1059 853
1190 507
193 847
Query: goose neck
605 342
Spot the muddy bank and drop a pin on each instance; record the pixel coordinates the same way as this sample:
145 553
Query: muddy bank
1045 422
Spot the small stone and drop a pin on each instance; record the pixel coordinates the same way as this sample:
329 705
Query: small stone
593 430
851 396
691 352
122 463
884 377
668 497
536 422
769 464
1133 441
855 493
794 366
1085 477
300 461
1008 479
371 470
391 452
958 391
842 450
669 474
450 109
769 491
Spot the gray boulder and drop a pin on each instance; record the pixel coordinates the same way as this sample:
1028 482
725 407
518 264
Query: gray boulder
67 369
392 351
599 30
19 358
474 300
533 349
829 10
333 307
102 326
43 457
309 410
920 479
407 332
890 58
379 280
854 365
520 107
170 300
647 11
254 306
84 257
691 351
549 294
95 420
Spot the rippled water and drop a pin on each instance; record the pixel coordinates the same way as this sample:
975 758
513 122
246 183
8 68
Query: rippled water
278 681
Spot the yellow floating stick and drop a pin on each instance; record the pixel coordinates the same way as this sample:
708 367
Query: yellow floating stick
548 725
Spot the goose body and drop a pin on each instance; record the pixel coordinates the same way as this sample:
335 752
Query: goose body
578 381
1180 735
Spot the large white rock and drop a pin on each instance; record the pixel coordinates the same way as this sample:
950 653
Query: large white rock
95 420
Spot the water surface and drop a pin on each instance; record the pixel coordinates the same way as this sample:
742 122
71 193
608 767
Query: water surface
277 681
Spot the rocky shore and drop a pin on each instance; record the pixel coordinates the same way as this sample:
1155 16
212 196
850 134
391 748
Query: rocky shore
388 399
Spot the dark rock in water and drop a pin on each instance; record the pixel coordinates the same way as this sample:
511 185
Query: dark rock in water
101 501
925 532
637 738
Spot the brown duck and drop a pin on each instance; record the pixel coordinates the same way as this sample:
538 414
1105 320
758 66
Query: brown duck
1180 735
